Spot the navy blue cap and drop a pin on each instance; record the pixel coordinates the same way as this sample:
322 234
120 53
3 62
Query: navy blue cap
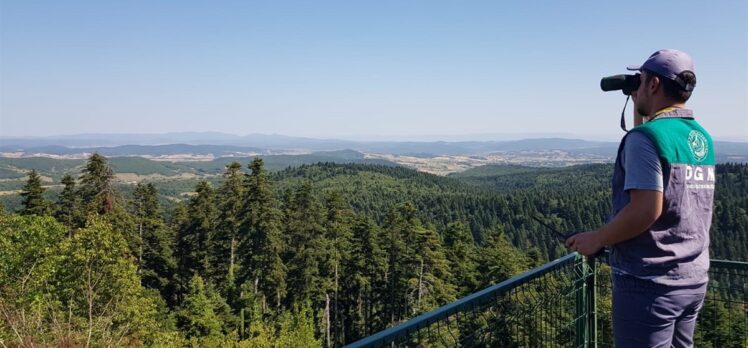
668 63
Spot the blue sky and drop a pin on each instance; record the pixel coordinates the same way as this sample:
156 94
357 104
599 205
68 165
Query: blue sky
355 69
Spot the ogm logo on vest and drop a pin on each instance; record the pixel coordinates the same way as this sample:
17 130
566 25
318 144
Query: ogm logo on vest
698 144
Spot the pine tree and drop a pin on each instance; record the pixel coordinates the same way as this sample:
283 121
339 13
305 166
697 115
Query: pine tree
306 252
261 238
156 262
462 254
224 245
338 228
499 259
399 229
363 287
99 199
193 237
179 216
429 283
95 190
32 193
69 204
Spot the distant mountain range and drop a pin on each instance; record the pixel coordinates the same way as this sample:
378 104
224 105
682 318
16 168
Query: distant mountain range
140 150
225 145
190 138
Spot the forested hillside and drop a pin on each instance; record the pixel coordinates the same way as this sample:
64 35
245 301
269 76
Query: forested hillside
315 255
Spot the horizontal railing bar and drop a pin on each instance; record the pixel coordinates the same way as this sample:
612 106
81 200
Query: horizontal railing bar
480 297
737 265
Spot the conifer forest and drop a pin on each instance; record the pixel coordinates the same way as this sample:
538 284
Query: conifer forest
309 256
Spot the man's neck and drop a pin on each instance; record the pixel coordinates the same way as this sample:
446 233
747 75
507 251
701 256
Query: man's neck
667 105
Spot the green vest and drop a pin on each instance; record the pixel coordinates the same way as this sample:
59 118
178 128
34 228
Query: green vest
680 140
675 249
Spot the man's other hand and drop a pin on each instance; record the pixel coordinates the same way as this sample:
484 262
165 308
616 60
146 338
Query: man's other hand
586 243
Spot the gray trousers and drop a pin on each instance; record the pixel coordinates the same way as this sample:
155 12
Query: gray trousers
650 319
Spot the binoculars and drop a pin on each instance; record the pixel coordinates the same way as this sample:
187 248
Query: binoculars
626 83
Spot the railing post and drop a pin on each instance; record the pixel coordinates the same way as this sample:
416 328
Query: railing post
592 303
580 285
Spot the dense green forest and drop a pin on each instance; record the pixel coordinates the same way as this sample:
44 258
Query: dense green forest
313 255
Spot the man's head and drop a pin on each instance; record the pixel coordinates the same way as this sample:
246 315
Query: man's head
667 79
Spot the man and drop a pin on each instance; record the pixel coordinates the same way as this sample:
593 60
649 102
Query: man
658 233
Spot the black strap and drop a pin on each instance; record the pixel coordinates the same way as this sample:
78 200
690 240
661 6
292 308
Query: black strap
623 114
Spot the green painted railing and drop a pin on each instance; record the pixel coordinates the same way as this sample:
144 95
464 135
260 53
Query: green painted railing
564 303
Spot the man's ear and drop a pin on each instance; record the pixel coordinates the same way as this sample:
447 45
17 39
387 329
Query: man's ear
654 83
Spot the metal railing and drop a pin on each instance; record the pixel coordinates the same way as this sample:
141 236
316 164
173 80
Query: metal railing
723 320
564 303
